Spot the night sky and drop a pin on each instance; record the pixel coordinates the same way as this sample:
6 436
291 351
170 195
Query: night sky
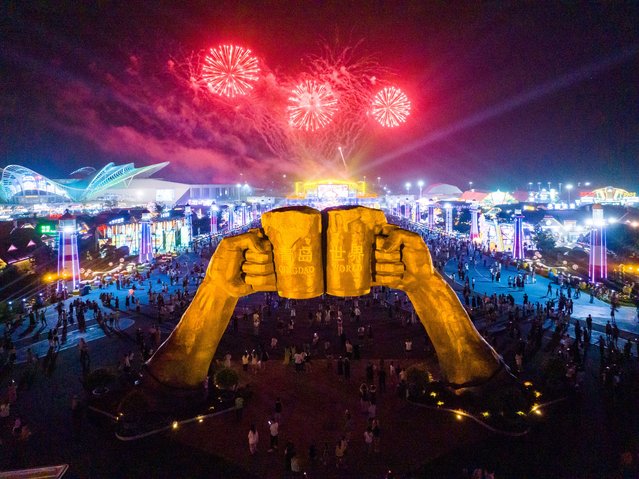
502 94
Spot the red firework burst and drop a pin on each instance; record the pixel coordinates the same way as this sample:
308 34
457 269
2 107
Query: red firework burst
390 107
230 71
312 106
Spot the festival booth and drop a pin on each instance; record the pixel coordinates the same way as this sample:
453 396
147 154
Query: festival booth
170 231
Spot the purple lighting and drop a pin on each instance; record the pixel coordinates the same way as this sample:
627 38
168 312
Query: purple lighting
518 242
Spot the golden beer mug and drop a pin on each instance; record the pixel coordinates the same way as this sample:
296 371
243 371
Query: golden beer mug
295 233
350 242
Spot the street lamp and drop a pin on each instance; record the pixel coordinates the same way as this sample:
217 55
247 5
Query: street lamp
407 185
470 186
568 188
420 183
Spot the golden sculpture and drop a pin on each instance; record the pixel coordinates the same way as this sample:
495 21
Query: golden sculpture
295 234
362 250
350 246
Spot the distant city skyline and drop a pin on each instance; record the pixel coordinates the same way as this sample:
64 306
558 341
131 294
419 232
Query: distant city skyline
501 95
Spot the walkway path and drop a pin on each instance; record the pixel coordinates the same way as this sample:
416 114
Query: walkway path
625 316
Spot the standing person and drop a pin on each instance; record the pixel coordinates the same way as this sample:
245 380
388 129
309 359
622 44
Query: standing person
347 369
289 454
239 407
340 450
368 440
376 434
519 360
392 374
273 427
245 361
253 439
589 325
85 361
278 410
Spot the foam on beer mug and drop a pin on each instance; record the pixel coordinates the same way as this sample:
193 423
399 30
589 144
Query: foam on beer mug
350 241
296 236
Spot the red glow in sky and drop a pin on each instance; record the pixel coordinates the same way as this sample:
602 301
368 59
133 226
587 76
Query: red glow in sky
486 82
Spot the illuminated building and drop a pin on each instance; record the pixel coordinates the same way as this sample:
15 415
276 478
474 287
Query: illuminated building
168 231
115 183
19 184
608 195
331 192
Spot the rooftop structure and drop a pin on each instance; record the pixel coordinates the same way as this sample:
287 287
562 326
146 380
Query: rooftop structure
19 184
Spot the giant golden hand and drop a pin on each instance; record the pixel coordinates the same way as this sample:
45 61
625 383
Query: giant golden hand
403 261
240 266
361 250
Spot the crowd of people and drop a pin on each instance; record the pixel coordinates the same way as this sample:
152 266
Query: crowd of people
335 331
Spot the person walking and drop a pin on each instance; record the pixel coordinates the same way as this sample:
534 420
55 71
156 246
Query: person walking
253 439
615 334
273 427
340 451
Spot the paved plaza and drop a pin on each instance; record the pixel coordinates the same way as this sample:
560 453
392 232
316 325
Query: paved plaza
314 402
625 316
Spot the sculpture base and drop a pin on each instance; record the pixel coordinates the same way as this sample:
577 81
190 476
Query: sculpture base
147 407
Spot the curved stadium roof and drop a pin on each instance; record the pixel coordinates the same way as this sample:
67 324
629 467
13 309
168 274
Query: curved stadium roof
18 182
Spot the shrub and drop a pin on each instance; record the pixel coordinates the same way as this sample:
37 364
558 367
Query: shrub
507 400
227 379
98 378
417 377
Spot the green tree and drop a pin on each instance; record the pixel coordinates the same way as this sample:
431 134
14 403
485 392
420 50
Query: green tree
544 240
